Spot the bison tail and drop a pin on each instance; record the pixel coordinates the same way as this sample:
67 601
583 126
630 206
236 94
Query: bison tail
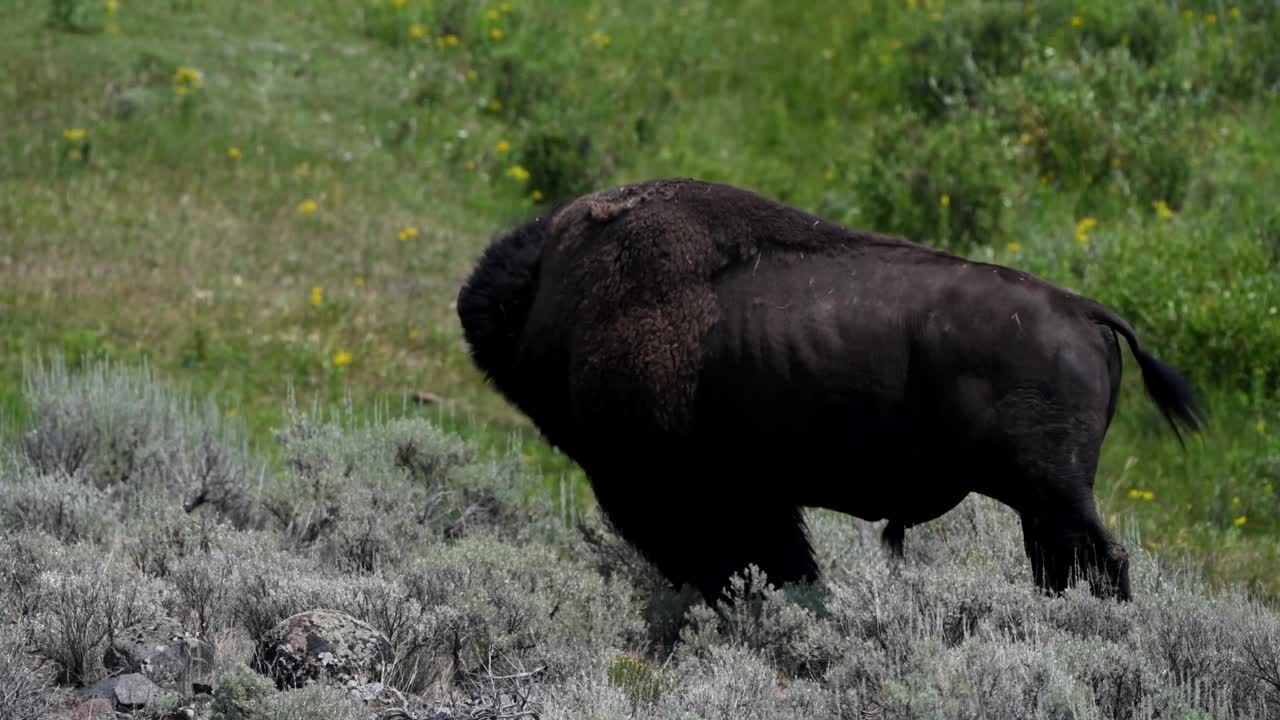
1170 391
494 302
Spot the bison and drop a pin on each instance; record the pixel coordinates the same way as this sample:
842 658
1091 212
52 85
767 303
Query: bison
716 361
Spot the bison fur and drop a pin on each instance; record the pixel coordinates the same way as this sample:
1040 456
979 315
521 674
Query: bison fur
716 361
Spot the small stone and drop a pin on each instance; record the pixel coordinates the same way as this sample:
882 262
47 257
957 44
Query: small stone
134 691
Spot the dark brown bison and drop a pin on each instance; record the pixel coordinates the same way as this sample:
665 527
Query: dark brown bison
716 361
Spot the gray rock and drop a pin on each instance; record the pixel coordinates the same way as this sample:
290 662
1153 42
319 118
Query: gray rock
323 646
165 653
105 688
134 691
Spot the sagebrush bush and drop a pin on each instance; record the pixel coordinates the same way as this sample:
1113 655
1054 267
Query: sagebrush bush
78 613
240 694
372 497
135 439
63 505
27 692
499 609
312 703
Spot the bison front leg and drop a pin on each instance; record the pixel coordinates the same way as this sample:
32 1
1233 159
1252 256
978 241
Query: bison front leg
699 534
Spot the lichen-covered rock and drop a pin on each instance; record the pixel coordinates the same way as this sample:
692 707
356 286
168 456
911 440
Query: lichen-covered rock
323 646
165 653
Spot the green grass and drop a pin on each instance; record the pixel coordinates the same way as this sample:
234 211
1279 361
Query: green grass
147 239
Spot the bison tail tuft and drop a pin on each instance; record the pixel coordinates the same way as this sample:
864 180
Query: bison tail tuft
1167 387
1170 391
494 302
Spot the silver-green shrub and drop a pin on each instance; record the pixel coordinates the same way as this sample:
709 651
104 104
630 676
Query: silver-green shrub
135 439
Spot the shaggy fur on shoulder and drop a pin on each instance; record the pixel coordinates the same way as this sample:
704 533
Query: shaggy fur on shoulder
717 361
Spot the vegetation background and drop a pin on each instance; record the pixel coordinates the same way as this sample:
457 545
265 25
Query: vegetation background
276 201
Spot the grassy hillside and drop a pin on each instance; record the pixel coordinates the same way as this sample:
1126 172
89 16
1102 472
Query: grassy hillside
265 198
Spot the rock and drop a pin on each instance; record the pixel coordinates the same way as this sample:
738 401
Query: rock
103 689
134 691
323 646
165 653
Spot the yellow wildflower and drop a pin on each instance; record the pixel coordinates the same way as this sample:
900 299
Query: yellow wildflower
1083 227
536 196
233 152
518 173
1240 521
1015 248
341 358
1260 426
1136 494
452 40
945 200
1162 209
418 31
407 233
492 14
232 412
317 296
113 7
413 333
829 175
502 147
1210 19
1235 12
182 90
1235 500
358 282
496 33
306 207
190 76
1076 21
470 165
495 105
506 7
397 4
74 134
599 39
472 74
